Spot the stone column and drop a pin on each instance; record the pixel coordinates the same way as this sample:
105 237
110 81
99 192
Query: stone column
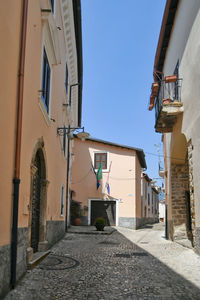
43 243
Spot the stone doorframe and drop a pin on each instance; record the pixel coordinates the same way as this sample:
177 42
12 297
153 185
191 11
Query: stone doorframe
43 243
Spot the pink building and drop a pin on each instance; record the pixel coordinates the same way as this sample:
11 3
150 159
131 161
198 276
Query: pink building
118 198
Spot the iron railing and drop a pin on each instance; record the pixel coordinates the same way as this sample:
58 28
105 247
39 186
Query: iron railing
168 91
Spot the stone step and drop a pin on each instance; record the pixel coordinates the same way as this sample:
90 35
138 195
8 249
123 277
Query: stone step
37 258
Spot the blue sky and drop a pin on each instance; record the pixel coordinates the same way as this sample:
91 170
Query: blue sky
119 44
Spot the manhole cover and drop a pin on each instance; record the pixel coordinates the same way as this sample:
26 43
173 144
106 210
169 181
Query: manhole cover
139 254
58 262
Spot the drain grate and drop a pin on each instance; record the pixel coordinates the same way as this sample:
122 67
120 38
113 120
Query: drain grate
123 255
129 255
109 243
58 262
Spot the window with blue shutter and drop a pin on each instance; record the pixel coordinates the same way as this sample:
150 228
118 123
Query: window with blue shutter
52 6
46 74
66 78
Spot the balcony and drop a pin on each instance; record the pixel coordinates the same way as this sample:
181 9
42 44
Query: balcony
167 104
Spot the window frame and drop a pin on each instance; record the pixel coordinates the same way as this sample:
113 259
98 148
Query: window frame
107 155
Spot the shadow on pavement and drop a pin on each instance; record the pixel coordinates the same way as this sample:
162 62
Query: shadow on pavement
107 267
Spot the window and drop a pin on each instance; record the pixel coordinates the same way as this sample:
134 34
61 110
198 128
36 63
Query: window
52 5
66 79
62 202
46 74
100 158
148 199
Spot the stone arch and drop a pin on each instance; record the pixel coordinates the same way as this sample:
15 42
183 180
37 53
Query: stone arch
38 200
180 204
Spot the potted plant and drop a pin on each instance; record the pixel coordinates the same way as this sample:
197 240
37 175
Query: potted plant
167 101
100 223
75 213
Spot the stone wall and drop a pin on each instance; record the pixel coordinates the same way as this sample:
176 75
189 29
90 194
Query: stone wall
136 223
197 240
5 267
55 231
179 184
22 251
191 188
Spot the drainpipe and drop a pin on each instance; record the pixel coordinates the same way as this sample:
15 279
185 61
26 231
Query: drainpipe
16 179
166 187
67 188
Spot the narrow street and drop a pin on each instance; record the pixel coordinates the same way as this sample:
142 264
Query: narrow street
123 264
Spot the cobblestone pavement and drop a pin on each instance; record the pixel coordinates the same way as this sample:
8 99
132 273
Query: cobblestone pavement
126 264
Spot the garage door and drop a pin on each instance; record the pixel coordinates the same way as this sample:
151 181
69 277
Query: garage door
105 209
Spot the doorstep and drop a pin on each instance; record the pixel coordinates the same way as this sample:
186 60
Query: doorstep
37 258
90 230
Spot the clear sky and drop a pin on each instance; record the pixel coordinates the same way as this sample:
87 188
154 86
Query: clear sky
119 44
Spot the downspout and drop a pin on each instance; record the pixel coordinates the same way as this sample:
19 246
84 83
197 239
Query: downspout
166 187
16 179
67 184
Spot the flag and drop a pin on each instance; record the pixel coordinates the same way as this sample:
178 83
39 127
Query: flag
99 176
108 188
93 169
107 181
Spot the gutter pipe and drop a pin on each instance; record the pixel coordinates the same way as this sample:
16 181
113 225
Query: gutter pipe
16 179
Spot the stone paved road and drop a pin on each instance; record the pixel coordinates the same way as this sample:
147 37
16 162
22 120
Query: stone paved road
83 266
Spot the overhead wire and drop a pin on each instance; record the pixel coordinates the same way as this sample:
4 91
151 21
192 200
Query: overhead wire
127 178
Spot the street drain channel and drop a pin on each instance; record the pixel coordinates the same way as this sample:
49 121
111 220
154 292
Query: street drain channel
129 255
109 243
58 262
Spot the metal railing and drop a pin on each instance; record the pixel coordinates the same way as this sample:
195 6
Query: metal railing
168 91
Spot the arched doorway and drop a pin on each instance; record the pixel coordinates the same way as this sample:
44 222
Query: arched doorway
36 198
38 201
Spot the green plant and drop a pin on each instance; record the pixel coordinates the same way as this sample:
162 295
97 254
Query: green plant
100 221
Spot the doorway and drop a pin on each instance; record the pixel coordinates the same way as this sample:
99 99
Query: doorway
35 224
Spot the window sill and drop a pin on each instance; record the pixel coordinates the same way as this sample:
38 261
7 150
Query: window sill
44 111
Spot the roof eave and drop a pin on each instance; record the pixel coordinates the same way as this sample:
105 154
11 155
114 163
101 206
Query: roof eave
165 33
78 34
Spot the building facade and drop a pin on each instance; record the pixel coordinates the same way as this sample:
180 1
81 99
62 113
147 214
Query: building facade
149 200
118 198
175 96
41 72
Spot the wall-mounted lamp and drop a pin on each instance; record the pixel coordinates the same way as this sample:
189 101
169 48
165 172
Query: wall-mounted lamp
69 131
